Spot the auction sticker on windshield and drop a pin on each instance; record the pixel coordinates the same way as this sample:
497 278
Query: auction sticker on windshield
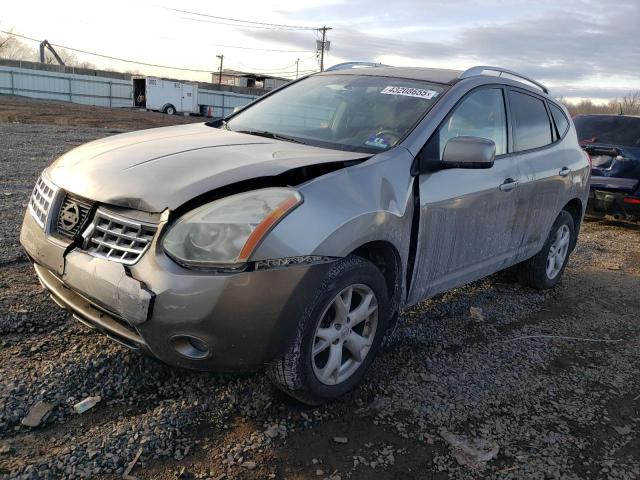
409 92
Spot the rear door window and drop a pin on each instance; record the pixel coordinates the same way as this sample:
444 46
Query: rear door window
562 124
480 114
531 125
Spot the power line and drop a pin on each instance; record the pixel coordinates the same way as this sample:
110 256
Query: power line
260 49
240 23
275 74
142 63
235 25
265 24
276 69
245 48
111 57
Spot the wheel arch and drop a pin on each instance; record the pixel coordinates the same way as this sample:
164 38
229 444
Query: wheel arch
385 256
575 208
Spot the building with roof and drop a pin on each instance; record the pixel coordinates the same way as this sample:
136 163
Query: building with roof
248 80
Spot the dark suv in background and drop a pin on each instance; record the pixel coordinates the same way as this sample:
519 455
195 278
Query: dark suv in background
613 143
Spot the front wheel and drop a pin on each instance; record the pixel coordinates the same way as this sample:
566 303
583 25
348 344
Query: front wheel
338 335
545 269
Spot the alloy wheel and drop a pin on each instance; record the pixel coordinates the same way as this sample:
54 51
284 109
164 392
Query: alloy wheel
344 335
558 251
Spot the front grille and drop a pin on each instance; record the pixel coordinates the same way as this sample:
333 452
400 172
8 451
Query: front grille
119 239
41 201
72 215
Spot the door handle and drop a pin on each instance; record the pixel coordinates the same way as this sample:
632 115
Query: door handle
508 185
564 171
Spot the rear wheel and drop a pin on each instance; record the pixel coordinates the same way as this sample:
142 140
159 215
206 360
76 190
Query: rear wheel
169 110
338 336
545 269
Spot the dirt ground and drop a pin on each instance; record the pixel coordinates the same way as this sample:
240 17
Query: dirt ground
551 378
29 111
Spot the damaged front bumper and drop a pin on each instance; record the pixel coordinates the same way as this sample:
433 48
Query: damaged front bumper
192 319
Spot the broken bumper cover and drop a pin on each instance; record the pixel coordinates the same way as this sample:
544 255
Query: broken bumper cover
243 319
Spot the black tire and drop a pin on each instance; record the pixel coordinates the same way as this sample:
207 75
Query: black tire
169 110
533 272
293 373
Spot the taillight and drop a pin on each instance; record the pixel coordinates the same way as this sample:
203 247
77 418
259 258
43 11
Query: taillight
632 200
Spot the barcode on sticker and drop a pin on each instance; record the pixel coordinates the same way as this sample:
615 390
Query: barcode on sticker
409 92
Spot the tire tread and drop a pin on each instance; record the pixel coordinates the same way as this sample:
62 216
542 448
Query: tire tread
285 372
532 272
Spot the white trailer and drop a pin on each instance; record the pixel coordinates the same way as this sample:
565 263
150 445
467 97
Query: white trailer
167 96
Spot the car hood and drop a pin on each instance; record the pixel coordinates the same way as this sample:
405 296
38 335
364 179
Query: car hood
151 170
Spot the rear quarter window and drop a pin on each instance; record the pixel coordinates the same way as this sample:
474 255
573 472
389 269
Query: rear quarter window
531 125
562 124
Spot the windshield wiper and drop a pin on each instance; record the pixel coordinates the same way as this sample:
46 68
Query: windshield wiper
275 136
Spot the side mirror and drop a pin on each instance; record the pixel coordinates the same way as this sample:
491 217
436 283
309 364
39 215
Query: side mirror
468 152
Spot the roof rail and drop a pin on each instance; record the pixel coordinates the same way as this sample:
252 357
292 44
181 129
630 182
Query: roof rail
348 65
479 70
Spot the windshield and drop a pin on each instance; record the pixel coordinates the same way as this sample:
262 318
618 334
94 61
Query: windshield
613 130
348 112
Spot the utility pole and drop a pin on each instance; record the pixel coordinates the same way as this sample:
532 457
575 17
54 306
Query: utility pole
324 43
297 63
221 57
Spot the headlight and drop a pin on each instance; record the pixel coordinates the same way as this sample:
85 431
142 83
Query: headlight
227 231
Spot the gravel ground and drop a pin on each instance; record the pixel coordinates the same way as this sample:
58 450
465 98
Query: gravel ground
555 407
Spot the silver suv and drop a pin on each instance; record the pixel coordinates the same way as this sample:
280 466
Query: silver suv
291 234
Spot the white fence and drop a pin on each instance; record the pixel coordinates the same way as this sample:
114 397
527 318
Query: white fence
99 91
223 103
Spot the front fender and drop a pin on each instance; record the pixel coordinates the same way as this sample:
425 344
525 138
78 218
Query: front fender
371 201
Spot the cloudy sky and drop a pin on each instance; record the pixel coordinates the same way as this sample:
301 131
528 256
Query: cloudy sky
580 48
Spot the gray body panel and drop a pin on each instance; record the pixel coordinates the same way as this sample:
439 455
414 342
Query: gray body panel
160 168
544 191
466 226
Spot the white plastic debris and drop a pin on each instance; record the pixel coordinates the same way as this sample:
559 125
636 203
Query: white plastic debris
86 404
476 314
340 439
473 452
